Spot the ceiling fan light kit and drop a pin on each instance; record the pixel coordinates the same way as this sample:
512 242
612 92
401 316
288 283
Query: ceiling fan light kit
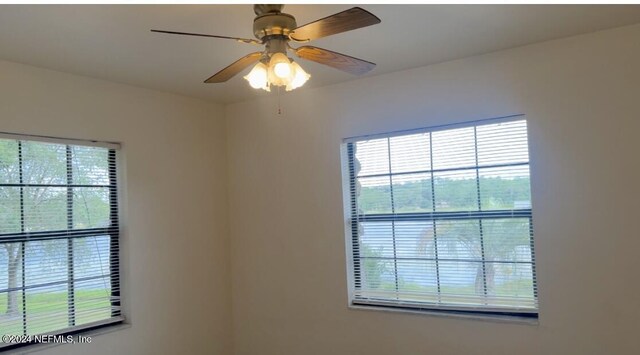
275 29
281 71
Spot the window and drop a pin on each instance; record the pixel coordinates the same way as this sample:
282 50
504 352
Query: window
440 219
59 268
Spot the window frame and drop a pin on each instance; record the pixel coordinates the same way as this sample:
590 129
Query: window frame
113 232
352 233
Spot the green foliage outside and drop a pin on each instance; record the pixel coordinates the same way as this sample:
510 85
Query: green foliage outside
450 194
91 306
502 238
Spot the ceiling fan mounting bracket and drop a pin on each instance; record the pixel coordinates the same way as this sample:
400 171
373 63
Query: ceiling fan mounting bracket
261 9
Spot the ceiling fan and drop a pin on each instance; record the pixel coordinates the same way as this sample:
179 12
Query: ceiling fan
275 29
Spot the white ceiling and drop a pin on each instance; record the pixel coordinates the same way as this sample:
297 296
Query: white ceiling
113 42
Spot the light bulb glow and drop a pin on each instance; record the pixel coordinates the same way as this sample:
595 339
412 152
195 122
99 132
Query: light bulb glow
299 76
281 65
257 77
282 70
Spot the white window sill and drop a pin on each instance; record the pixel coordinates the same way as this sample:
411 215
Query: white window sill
450 314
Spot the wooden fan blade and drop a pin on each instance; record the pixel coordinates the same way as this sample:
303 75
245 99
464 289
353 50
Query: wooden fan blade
243 40
344 21
334 59
235 67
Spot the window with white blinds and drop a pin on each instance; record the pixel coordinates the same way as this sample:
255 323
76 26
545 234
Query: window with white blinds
440 219
59 266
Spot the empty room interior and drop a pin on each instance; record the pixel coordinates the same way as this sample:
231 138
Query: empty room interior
345 179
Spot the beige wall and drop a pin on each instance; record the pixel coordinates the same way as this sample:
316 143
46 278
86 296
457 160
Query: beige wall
581 97
175 248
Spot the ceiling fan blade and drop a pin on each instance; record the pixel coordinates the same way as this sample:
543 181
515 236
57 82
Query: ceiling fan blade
243 40
334 59
344 21
235 68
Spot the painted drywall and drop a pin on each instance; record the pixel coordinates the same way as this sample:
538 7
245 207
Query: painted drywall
580 96
174 246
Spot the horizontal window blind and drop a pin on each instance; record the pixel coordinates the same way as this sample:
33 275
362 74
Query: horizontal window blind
441 219
59 237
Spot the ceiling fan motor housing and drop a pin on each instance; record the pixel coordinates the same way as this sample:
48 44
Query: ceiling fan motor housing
273 24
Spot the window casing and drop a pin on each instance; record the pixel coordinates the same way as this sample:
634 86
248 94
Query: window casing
59 236
440 219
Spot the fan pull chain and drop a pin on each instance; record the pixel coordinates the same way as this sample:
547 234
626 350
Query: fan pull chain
279 103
